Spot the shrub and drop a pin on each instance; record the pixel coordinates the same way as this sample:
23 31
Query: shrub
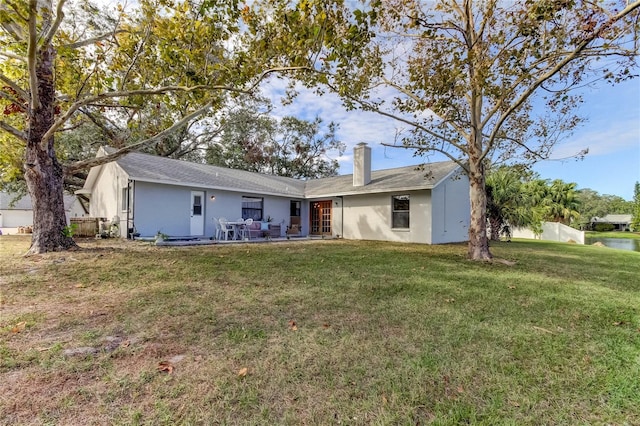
603 227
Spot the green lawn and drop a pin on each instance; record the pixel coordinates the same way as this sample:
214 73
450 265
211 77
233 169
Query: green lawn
630 235
319 332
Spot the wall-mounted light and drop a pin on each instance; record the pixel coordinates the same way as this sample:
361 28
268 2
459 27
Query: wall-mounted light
212 198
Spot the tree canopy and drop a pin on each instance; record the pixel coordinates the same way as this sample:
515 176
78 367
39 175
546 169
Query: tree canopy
465 77
520 199
289 147
137 74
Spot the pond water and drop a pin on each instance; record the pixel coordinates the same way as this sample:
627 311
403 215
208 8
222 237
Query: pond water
617 243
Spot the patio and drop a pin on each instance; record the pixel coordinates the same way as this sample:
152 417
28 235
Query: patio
194 241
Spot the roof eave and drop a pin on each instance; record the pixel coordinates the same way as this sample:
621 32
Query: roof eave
369 191
217 187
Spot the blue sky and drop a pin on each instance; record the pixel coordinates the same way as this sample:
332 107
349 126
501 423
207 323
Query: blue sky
611 132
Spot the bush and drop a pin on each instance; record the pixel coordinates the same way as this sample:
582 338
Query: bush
603 227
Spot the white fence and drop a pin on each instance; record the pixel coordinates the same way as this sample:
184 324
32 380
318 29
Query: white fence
551 231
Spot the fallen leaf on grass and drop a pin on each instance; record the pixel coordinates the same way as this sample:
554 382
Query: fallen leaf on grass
325 325
243 372
292 325
460 389
512 287
19 327
165 366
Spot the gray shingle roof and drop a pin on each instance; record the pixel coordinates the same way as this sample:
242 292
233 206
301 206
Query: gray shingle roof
151 168
614 218
399 179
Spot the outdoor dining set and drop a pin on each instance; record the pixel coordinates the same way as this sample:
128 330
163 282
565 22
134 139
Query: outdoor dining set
239 229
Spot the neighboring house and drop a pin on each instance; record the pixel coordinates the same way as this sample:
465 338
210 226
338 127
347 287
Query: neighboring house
150 194
20 213
621 222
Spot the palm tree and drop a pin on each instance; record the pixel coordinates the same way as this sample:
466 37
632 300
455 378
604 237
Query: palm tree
508 204
561 203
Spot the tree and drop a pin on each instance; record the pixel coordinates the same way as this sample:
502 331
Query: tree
561 202
635 221
290 147
466 77
591 204
509 204
70 63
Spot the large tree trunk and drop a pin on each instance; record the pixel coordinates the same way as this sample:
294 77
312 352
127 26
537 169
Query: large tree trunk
43 172
478 241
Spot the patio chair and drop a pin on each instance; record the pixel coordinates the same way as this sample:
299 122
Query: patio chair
225 228
246 230
218 232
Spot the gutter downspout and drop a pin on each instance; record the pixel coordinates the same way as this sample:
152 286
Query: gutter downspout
342 216
130 203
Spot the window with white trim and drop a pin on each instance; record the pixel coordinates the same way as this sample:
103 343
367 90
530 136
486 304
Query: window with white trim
125 199
252 208
400 212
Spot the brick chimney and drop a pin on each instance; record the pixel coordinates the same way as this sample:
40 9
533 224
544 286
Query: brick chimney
361 164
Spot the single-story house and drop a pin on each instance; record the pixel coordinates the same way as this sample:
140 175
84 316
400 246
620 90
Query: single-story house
20 213
147 194
621 222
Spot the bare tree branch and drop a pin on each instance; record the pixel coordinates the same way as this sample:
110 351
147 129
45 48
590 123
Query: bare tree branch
93 40
555 69
157 91
13 56
9 82
456 160
82 165
31 53
13 131
56 24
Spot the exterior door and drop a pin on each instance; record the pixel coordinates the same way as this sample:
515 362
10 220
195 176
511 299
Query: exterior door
197 213
320 222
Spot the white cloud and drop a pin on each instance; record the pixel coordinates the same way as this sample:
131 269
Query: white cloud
355 126
618 136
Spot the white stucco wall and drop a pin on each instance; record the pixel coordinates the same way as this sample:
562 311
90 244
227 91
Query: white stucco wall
105 199
167 208
15 218
368 217
551 231
451 210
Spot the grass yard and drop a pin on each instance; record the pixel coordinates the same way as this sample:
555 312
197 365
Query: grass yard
626 235
318 333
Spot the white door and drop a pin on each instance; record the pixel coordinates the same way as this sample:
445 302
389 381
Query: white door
197 213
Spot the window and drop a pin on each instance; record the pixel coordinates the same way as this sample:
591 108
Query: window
197 205
294 208
400 211
125 199
252 208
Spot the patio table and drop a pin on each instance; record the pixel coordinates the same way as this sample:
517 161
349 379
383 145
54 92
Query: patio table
235 225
